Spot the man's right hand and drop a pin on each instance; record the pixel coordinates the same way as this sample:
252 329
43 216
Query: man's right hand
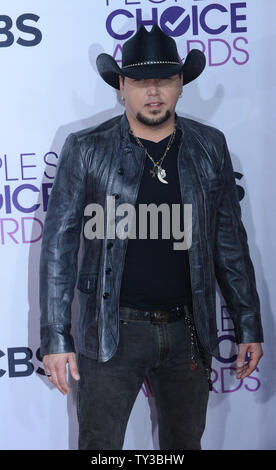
55 369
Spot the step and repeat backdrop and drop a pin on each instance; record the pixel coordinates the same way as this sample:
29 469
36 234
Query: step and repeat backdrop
50 87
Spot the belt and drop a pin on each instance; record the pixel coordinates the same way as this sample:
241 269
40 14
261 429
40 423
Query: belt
169 315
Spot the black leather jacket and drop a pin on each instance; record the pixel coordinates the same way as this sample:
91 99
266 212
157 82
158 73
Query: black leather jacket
102 161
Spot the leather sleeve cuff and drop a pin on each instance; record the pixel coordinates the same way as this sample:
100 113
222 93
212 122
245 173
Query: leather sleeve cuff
248 329
56 339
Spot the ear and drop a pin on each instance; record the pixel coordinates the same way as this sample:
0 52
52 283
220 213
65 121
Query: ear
121 85
181 82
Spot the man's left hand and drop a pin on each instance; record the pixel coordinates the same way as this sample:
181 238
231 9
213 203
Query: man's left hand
255 352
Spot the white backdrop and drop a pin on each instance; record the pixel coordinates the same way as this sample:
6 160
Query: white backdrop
49 88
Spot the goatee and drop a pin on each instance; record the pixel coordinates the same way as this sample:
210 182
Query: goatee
153 122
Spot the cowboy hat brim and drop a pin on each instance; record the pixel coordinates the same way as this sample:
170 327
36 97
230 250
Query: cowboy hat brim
109 70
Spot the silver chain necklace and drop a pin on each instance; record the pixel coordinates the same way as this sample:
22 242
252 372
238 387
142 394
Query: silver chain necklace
157 166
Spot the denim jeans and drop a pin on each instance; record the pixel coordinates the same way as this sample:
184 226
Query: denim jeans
107 390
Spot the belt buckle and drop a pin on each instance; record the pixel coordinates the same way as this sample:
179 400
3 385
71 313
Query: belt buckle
159 317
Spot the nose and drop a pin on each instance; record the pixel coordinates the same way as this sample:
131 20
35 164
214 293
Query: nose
153 86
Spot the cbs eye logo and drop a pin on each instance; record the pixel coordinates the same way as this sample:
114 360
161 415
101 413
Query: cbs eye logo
10 32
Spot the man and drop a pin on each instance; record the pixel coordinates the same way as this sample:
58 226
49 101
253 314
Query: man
145 308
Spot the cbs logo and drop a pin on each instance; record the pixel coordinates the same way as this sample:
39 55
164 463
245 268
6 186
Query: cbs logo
9 30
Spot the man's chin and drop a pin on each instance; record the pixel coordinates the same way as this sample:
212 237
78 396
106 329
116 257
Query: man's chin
153 121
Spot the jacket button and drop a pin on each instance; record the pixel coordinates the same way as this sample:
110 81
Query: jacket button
105 295
121 171
109 245
108 270
116 195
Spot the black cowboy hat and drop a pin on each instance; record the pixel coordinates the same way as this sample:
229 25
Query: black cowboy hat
150 54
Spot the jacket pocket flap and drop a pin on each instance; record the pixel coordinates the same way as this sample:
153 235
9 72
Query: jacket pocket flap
87 283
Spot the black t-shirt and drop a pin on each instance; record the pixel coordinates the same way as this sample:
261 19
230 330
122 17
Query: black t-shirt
156 276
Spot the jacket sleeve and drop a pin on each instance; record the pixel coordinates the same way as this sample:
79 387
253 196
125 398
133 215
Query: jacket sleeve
59 250
233 266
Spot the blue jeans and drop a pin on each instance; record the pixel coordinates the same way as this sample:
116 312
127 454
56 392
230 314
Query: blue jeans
107 391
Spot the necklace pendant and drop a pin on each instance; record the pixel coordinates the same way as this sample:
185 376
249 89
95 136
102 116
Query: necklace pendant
154 172
161 174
